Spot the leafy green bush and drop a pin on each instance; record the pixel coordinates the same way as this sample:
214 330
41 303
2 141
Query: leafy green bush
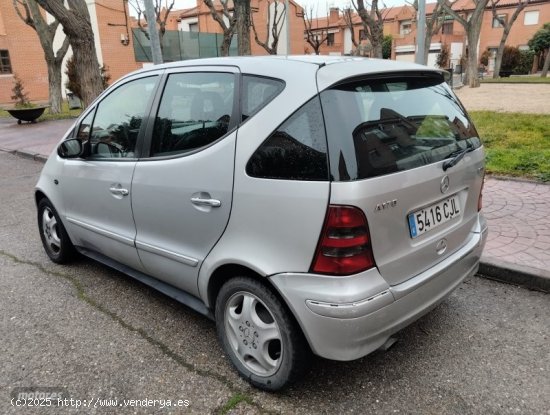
525 62
386 46
510 58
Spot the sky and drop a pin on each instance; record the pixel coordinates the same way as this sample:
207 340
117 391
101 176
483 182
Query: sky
320 7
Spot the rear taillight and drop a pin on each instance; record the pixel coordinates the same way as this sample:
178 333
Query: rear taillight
344 246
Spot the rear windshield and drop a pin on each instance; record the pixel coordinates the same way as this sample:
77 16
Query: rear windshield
382 126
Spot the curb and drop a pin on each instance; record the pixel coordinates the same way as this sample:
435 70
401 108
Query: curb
26 154
532 278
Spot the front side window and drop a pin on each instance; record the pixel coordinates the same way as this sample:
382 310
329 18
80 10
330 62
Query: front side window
115 128
195 110
5 63
378 127
297 150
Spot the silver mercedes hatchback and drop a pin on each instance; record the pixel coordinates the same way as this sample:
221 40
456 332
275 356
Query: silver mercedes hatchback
306 204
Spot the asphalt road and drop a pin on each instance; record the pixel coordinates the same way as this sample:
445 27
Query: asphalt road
100 335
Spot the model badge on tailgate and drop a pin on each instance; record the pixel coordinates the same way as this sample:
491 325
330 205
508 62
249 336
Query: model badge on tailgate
385 205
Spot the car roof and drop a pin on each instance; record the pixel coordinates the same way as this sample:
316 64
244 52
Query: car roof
329 69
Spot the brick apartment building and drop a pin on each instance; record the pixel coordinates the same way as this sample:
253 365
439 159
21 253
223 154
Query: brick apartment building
21 53
400 23
200 19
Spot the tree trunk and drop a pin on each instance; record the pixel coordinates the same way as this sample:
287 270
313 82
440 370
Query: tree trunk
472 70
54 86
473 29
226 43
377 41
76 25
535 66
427 44
500 52
242 15
46 34
546 64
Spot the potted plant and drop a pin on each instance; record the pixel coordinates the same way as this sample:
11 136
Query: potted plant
23 110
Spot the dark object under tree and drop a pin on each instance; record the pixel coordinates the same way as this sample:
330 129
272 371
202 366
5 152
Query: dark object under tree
23 109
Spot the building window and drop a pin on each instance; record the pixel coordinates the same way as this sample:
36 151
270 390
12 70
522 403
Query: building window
447 28
5 63
496 22
405 27
330 39
362 34
193 27
531 18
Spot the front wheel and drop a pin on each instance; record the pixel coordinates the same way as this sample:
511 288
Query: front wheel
54 237
258 333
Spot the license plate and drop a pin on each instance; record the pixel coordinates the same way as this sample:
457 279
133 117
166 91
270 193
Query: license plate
431 217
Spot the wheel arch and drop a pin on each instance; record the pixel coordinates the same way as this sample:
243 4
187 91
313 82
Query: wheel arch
38 196
224 273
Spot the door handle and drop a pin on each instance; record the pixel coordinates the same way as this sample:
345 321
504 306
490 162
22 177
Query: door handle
199 201
119 191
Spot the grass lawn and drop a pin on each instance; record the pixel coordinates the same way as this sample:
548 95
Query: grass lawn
65 113
516 144
517 80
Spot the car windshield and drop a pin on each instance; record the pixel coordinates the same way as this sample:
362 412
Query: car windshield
383 126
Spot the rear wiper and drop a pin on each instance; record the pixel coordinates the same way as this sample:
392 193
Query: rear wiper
456 157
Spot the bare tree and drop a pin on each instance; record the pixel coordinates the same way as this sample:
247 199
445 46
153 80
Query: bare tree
242 26
506 26
373 25
315 36
33 17
162 10
433 25
75 20
348 14
273 29
227 22
472 27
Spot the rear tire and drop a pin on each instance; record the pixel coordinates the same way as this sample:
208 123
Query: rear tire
55 240
262 339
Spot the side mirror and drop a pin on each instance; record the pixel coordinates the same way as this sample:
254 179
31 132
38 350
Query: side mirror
70 149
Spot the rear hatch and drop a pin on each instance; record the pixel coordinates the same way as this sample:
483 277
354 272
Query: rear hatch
403 149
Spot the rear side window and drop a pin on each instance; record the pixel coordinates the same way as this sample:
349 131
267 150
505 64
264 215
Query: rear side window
258 92
195 110
297 150
382 126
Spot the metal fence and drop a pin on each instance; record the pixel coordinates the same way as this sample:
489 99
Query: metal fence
178 45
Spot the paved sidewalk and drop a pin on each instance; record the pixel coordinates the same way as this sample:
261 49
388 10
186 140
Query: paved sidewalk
518 212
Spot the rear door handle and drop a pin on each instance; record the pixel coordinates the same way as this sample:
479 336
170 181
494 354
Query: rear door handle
199 201
119 191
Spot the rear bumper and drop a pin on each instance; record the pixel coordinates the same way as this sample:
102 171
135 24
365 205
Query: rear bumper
345 318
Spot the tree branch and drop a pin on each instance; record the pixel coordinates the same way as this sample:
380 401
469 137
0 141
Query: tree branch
27 18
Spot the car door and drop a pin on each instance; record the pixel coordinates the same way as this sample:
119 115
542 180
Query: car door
182 193
97 189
